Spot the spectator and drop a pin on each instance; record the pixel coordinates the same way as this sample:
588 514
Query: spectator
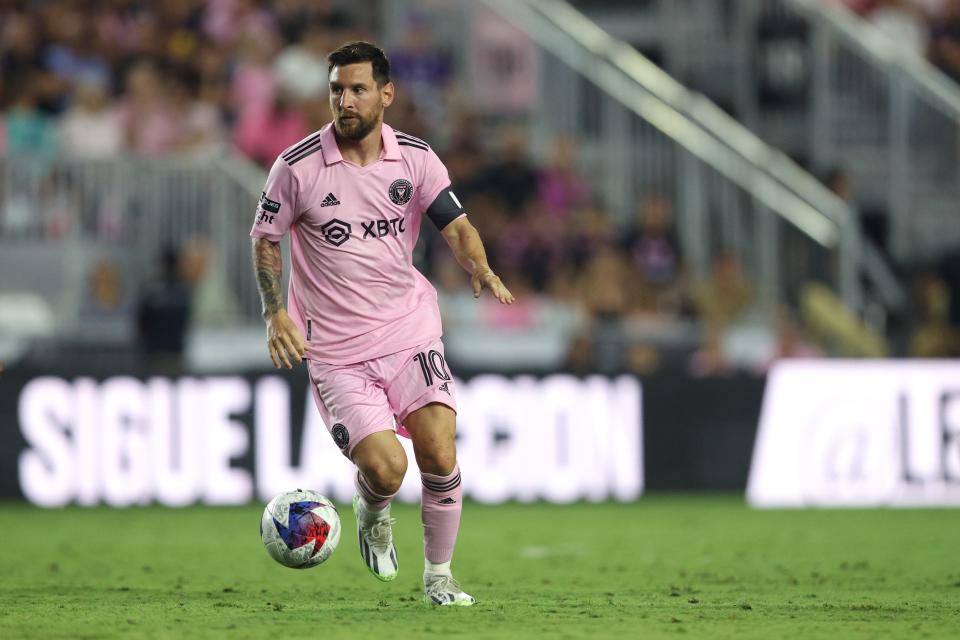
512 178
604 291
179 23
605 285
791 339
264 134
466 131
589 231
200 127
301 68
294 16
654 252
949 272
937 330
726 295
213 301
106 313
20 52
73 56
253 86
30 133
405 116
91 128
149 122
945 40
162 315
934 337
423 68
561 188
464 162
535 246
212 68
231 22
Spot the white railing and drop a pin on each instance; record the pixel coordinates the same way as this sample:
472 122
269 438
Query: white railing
882 110
698 127
878 47
60 218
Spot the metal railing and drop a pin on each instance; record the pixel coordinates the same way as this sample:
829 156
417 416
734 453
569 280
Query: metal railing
825 85
887 113
62 217
650 129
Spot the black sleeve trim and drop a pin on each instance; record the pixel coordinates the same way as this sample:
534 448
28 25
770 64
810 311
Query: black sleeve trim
445 209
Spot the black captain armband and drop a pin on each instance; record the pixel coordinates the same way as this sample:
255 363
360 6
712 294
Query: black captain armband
445 209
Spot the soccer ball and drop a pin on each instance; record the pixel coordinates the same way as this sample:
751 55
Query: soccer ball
300 529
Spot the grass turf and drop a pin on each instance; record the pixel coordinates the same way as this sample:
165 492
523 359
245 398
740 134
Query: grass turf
664 567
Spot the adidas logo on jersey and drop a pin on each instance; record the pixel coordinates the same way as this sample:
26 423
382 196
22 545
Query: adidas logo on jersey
330 201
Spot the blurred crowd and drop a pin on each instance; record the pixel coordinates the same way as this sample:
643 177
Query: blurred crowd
93 80
627 285
929 27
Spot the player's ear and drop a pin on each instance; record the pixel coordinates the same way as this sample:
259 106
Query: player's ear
386 94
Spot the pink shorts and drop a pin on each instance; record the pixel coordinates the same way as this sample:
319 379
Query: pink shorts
356 400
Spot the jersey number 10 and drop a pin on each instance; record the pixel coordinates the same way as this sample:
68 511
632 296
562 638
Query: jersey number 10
432 364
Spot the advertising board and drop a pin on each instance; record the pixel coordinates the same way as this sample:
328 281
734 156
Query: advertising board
125 440
858 433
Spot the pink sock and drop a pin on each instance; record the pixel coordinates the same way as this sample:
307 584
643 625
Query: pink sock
372 500
440 512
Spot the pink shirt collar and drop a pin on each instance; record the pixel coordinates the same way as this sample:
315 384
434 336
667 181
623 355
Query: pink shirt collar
331 153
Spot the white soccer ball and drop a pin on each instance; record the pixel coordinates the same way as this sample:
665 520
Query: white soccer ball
300 529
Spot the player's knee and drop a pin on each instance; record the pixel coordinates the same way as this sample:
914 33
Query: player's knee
440 461
386 474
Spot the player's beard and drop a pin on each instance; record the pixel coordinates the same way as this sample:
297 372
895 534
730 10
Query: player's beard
358 127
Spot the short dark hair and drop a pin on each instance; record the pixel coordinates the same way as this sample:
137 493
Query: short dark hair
354 52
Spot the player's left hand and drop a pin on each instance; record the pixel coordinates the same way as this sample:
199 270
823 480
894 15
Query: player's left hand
487 279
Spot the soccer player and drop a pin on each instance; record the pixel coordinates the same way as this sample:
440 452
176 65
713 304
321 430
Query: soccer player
352 196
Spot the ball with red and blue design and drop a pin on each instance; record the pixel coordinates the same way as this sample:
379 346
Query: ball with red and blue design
300 529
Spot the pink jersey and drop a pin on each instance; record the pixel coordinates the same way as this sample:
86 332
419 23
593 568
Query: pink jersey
354 292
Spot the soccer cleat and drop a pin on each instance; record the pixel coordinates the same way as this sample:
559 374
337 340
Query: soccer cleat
375 535
442 590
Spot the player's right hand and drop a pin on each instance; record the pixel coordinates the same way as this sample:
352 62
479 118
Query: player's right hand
284 340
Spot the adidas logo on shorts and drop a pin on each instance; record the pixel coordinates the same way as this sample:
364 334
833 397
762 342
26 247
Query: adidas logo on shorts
329 201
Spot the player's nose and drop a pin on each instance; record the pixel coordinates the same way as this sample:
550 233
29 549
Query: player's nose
346 102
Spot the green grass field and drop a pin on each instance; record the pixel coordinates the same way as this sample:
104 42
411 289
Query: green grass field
664 567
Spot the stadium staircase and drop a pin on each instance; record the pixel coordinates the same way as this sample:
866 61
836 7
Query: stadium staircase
644 130
818 82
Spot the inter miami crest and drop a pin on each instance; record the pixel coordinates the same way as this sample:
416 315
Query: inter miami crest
400 191
340 435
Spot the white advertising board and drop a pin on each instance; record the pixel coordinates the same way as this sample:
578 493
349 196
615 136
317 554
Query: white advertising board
126 441
858 434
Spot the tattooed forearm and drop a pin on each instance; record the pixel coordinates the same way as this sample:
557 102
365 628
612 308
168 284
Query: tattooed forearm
269 267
